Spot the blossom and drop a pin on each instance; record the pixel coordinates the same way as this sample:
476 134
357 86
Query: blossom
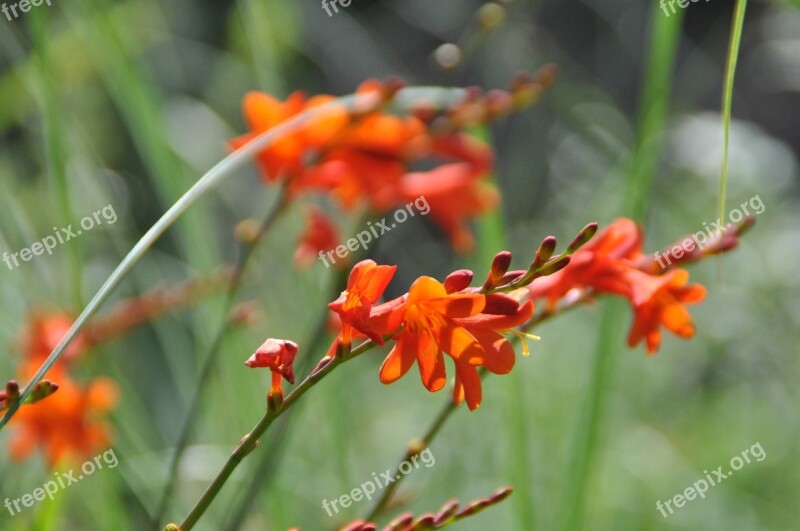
277 355
69 425
455 195
430 329
365 286
320 236
43 332
597 265
284 157
364 156
501 314
614 263
659 300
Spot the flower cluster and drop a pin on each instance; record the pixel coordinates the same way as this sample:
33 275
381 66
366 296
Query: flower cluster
365 156
614 263
471 325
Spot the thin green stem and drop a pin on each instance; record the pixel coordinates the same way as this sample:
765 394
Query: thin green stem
209 181
250 440
727 98
245 253
414 448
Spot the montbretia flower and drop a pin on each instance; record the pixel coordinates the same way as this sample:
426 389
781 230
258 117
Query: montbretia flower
365 286
614 263
365 156
456 195
43 332
660 300
320 236
277 355
501 314
68 425
285 156
430 328
598 265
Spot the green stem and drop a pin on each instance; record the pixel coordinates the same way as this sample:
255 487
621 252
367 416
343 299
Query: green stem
245 253
211 179
727 97
248 443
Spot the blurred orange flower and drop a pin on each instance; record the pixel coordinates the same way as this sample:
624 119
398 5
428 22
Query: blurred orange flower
659 300
320 236
68 425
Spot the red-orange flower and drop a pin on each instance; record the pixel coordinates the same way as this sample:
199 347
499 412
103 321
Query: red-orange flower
501 313
613 262
277 355
320 236
598 265
366 284
430 329
659 300
456 196
68 425
284 157
43 332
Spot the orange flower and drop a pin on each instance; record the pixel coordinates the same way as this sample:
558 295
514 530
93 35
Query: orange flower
366 284
277 355
598 265
68 425
43 332
320 236
430 329
502 313
613 262
284 157
659 300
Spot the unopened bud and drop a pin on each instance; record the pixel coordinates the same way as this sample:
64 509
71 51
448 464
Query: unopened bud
500 265
543 254
582 237
458 280
446 512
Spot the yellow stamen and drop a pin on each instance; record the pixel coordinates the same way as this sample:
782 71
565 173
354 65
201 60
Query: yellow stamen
522 337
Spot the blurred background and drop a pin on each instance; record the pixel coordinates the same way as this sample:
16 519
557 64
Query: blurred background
127 103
